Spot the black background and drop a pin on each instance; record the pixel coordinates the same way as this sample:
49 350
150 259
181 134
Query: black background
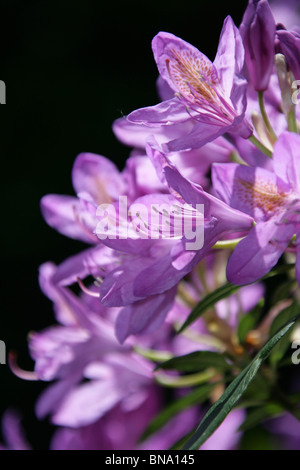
70 67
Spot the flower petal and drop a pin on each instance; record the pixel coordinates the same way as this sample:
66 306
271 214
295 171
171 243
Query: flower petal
202 133
181 65
255 191
229 59
96 176
162 114
287 159
136 134
259 252
93 261
70 216
145 316
86 403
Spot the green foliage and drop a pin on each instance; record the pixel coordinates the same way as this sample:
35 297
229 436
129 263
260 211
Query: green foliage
199 395
218 412
197 361
208 302
249 321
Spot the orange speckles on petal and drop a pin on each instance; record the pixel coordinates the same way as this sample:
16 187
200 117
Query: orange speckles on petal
190 72
263 195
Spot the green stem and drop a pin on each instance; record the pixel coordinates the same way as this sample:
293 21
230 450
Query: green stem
153 355
292 121
265 116
205 339
185 380
229 244
260 146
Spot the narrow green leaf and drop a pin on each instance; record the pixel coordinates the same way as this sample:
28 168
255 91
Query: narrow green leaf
283 317
256 416
196 361
195 397
249 321
209 301
257 438
178 445
222 292
283 291
280 349
279 270
218 412
260 388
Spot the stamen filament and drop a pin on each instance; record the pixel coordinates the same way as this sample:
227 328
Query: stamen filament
22 374
86 290
153 355
260 146
186 380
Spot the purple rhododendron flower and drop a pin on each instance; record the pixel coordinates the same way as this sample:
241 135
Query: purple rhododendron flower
169 260
84 347
118 385
96 180
209 194
272 199
211 96
139 274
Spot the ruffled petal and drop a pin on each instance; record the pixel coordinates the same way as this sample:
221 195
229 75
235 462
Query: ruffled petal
229 60
162 114
70 216
96 176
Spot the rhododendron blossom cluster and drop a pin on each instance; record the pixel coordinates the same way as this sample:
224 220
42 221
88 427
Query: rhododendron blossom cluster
189 280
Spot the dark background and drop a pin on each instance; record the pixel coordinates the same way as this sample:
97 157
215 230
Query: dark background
70 67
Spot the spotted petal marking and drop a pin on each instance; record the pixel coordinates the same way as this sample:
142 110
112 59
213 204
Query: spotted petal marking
263 195
192 73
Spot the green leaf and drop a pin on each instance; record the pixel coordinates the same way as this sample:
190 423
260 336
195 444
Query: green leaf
259 388
195 397
285 315
180 443
209 301
249 321
257 438
196 361
218 412
283 291
255 417
222 292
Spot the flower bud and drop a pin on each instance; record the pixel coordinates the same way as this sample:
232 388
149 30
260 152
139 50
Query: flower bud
258 33
285 83
288 44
